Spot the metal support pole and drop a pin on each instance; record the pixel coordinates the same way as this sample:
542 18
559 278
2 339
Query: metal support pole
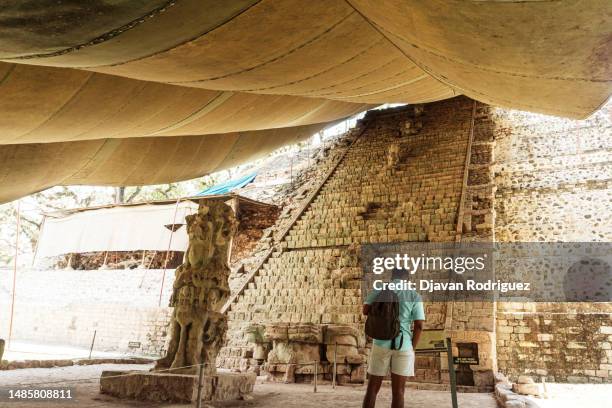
335 366
451 372
199 394
93 340
291 170
316 373
103 266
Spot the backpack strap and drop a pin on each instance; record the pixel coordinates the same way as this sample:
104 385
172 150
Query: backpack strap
400 345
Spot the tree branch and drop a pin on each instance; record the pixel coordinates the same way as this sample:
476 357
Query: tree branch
134 194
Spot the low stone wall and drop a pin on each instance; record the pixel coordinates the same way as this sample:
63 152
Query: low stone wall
15 365
507 398
556 345
65 307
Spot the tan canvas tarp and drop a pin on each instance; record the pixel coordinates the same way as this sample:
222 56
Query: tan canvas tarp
27 168
130 228
92 71
42 104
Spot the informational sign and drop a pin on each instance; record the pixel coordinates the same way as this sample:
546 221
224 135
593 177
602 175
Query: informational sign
134 344
432 340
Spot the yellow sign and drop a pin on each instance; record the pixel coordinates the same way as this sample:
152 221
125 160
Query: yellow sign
432 340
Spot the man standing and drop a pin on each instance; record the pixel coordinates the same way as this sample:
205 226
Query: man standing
397 354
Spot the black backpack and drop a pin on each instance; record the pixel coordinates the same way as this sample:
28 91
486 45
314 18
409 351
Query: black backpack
383 317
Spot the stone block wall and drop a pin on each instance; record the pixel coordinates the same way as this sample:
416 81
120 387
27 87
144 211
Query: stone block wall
471 324
571 346
553 180
417 200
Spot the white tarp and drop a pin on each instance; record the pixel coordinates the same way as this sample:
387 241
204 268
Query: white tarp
124 228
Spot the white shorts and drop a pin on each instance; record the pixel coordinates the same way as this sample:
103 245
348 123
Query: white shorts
400 362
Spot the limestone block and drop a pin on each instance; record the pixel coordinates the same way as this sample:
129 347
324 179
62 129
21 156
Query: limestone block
182 388
516 403
349 354
484 378
343 369
526 389
358 374
255 333
277 332
305 333
309 369
297 353
343 379
358 358
344 335
261 350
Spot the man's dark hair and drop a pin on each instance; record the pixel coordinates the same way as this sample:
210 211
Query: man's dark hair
398 273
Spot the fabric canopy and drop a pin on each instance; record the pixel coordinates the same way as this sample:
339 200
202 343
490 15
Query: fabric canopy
123 228
228 186
41 105
90 84
26 168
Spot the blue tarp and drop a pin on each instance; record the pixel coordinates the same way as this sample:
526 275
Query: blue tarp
228 186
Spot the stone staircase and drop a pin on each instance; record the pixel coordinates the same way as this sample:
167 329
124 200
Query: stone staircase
312 276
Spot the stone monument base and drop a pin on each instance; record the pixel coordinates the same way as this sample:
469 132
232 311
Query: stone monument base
167 387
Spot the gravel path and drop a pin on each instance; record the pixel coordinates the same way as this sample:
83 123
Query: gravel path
85 381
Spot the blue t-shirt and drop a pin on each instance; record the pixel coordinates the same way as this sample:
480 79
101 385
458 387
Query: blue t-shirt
410 309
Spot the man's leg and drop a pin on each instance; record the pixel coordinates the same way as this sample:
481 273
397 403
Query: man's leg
374 383
398 385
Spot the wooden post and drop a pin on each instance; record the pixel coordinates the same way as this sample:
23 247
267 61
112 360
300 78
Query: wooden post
199 394
451 372
93 340
10 335
235 204
316 366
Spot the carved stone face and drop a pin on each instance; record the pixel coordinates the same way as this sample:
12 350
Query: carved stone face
219 232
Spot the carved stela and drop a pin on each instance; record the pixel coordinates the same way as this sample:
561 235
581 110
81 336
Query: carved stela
200 290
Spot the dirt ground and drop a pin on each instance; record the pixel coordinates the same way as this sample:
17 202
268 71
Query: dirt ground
86 391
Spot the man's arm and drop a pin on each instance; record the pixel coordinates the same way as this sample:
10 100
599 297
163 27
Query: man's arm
416 333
